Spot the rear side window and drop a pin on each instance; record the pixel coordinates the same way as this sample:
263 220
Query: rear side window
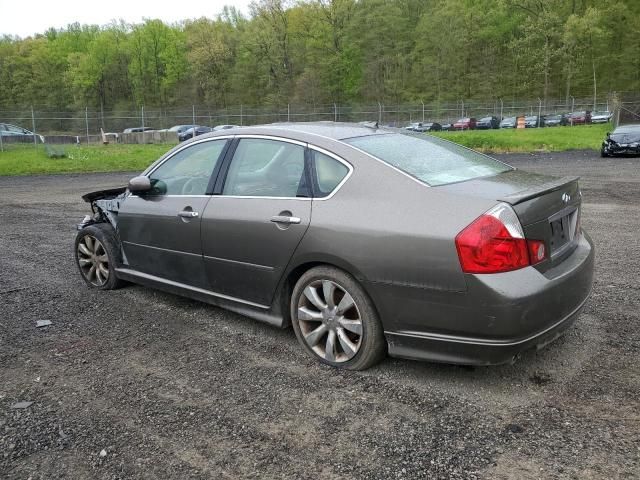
329 172
429 159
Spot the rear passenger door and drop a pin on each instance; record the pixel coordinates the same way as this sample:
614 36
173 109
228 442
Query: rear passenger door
256 219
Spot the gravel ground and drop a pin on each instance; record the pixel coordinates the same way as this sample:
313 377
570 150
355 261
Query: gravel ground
140 384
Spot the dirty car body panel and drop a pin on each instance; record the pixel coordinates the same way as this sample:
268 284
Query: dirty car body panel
393 232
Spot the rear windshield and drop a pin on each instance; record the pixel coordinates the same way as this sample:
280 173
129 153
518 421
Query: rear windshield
429 159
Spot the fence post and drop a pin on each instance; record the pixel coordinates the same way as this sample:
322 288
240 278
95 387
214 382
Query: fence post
288 113
241 115
1 145
422 110
335 112
462 108
33 126
142 119
379 113
539 110
102 115
86 122
193 114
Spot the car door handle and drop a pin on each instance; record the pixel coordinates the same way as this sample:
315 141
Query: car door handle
188 214
285 219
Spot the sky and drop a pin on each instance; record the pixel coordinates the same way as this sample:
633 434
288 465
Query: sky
36 16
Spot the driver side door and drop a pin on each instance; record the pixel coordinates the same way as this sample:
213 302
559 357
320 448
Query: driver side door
160 229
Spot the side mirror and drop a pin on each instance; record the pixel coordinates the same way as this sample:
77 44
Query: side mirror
139 184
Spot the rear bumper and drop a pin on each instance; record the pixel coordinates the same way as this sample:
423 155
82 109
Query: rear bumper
498 316
473 351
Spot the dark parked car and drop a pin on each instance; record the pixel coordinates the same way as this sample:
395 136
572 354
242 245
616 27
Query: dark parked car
624 140
424 127
19 134
601 117
462 259
138 129
487 123
194 132
534 121
180 128
579 118
465 124
448 127
509 122
556 120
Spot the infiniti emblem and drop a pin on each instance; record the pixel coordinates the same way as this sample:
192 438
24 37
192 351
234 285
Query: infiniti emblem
566 197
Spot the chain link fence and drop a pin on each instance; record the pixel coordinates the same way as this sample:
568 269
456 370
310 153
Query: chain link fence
86 125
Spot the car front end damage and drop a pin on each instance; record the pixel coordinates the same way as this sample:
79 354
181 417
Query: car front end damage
624 146
105 205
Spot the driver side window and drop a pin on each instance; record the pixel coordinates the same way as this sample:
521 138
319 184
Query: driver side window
187 172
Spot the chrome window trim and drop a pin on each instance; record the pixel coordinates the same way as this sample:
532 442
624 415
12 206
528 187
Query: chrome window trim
153 167
271 137
339 159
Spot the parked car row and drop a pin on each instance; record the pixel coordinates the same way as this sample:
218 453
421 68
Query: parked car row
15 132
530 121
184 132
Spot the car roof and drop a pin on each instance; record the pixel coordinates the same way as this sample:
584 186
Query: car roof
331 130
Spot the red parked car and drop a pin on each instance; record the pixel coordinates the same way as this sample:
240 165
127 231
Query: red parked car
580 118
465 124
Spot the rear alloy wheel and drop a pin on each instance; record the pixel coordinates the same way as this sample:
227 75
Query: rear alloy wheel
335 321
96 253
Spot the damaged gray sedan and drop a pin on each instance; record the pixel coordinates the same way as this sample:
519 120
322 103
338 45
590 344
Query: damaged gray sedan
367 241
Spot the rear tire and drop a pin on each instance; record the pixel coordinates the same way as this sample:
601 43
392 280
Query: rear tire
97 253
335 321
603 154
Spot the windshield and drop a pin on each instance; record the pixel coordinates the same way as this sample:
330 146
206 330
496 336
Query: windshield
626 135
429 159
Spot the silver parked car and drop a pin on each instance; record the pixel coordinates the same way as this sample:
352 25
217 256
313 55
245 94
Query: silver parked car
367 241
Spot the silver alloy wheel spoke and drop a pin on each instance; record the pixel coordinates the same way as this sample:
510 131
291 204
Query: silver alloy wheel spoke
84 261
353 326
347 345
314 337
328 290
330 347
333 331
312 294
84 249
308 315
89 242
345 304
103 270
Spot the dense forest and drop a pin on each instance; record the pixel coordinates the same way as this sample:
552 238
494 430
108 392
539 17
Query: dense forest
326 51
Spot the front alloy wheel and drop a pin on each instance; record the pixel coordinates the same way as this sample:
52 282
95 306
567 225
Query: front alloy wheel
97 254
93 261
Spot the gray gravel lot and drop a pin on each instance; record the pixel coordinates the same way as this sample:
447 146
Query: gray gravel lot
136 383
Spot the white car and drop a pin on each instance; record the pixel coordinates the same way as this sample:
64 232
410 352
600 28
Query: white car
601 117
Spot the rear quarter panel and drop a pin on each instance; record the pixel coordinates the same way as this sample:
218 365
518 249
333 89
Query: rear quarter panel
388 229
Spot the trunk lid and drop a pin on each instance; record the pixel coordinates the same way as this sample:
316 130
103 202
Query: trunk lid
548 207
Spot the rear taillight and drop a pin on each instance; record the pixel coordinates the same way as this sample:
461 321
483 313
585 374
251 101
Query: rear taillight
495 243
